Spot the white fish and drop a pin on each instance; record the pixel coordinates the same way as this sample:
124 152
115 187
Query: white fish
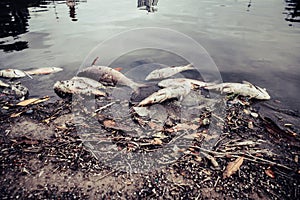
76 86
168 72
244 89
179 81
89 81
108 76
164 94
45 70
12 73
2 84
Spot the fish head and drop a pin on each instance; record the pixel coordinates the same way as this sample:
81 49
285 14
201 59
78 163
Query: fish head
153 75
262 94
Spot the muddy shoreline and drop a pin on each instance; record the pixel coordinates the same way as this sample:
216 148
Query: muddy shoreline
42 156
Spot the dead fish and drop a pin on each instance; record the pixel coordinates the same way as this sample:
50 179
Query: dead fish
168 72
244 89
45 70
12 73
89 81
164 94
2 84
179 81
16 89
108 76
76 86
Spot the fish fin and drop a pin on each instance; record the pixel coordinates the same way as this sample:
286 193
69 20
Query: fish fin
248 83
189 66
118 69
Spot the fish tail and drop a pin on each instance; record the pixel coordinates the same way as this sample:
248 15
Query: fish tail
189 67
136 86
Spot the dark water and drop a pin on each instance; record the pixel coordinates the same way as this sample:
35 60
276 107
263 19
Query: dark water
257 41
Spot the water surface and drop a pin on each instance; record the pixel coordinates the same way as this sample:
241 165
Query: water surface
257 41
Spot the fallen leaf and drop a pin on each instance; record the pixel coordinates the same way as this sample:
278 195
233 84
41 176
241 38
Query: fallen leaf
33 101
233 167
270 173
156 141
113 125
109 123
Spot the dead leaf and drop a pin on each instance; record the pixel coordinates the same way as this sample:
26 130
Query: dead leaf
233 167
113 125
33 101
270 173
109 123
157 141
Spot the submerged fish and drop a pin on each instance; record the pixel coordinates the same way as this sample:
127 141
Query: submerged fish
164 94
45 70
12 73
168 72
76 86
179 81
244 89
108 76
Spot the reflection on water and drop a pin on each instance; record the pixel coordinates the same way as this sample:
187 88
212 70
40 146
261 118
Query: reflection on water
249 5
149 5
14 16
292 10
71 4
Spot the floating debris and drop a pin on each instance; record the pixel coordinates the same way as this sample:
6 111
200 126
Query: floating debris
168 72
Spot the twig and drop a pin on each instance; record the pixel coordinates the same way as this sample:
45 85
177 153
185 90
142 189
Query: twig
104 107
219 118
102 177
217 181
270 162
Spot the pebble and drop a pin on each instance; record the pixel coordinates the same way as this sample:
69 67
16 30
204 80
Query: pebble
253 114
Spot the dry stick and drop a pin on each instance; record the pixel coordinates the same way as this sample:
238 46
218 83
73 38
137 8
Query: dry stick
216 116
104 107
102 177
243 154
270 162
